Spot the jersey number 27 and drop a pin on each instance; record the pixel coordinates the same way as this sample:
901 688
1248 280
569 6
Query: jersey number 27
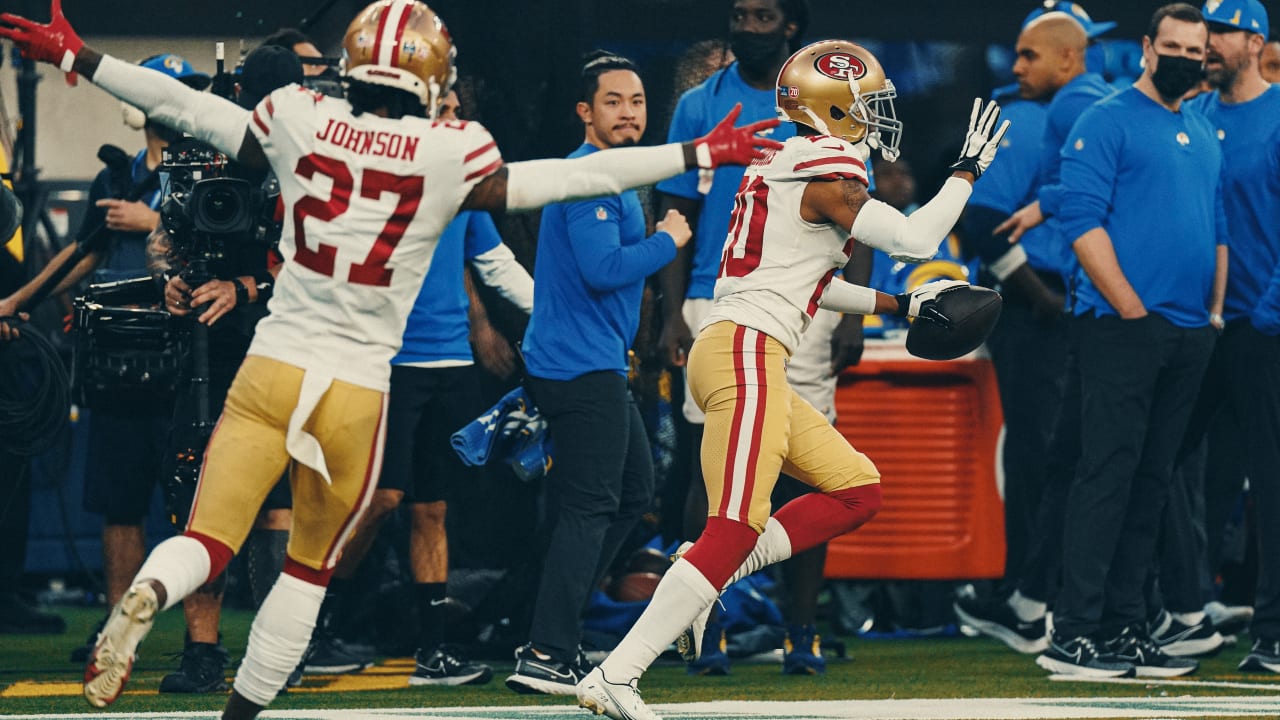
373 183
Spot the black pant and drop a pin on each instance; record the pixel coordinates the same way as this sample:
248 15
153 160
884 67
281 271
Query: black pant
601 482
15 516
1040 575
1138 380
1030 356
1243 383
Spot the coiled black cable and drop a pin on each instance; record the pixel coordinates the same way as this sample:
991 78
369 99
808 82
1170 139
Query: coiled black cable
34 392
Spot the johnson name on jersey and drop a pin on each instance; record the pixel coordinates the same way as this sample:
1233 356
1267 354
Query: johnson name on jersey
775 265
366 199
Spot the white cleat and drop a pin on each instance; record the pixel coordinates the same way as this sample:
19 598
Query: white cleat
111 661
618 701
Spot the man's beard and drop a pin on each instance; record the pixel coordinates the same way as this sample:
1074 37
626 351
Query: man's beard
1225 75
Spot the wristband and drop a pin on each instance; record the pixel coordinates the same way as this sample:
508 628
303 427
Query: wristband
242 292
265 282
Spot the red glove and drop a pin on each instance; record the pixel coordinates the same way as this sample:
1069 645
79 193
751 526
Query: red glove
56 43
727 145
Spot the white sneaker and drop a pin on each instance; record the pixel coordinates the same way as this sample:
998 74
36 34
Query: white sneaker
620 702
111 661
1229 619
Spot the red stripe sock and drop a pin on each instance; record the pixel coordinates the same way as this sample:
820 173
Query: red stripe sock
721 549
219 552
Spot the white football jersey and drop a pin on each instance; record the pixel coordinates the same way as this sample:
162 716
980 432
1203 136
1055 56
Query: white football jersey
775 265
365 200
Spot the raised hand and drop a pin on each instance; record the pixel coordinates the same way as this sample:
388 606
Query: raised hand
728 145
56 43
981 143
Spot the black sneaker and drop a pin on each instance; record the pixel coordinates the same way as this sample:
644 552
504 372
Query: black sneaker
1264 657
445 667
202 670
80 654
1080 656
538 673
993 617
1181 640
329 655
1134 646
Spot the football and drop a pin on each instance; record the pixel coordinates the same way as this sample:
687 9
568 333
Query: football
973 312
634 586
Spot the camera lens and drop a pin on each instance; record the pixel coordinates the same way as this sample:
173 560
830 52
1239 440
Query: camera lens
220 206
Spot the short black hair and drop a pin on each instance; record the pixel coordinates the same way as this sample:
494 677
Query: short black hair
287 38
1177 11
597 63
796 11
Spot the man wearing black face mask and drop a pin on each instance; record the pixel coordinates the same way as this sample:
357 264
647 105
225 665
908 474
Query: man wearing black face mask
1149 231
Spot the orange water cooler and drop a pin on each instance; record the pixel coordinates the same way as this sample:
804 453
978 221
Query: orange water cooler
933 430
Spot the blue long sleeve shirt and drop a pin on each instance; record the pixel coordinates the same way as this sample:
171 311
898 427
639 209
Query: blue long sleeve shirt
439 329
588 278
1250 137
1151 179
696 113
1010 184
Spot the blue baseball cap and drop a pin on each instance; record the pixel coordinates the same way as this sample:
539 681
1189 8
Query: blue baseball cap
177 67
1247 15
1091 29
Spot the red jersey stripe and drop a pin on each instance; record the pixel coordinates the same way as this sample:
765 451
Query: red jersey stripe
486 170
479 151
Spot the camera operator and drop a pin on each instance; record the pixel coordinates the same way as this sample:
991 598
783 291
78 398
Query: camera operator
126 434
227 306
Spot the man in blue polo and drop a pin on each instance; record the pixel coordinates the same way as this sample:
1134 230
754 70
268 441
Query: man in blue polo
1244 374
1147 227
593 258
1029 346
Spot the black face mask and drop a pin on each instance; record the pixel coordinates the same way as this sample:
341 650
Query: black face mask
757 51
1175 75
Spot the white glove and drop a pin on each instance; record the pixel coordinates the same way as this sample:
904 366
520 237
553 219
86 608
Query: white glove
980 144
921 302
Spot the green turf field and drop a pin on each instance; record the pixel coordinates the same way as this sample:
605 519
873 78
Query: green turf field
35 677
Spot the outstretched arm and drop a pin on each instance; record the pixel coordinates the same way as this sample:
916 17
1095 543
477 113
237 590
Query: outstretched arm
530 185
210 118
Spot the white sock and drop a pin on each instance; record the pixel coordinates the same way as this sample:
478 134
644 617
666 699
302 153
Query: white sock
1025 608
1189 618
180 564
278 638
773 546
683 593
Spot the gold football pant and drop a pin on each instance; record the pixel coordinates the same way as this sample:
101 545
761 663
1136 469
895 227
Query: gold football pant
247 454
757 426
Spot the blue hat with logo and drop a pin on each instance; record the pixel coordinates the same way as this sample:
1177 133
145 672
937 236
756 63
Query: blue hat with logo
1091 29
1247 15
177 67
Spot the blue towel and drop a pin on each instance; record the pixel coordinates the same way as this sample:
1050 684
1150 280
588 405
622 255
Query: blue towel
513 431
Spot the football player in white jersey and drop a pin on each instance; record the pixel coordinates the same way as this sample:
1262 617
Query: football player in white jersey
798 212
368 184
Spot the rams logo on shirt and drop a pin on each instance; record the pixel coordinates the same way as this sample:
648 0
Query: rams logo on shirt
1183 139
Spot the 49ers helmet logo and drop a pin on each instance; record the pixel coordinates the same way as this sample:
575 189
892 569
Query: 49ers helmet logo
840 66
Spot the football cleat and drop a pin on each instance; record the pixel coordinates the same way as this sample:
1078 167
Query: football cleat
618 701
111 661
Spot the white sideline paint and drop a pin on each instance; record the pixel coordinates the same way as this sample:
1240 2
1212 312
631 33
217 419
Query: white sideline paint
930 709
